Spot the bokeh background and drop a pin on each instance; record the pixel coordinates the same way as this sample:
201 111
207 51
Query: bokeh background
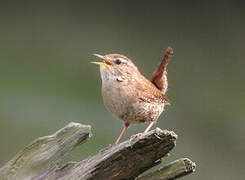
47 80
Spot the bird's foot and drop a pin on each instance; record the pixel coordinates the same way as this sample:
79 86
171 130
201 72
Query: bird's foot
137 135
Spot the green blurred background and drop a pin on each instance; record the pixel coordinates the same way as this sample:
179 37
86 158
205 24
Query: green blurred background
47 80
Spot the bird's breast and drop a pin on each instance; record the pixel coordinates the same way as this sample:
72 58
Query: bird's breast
122 101
115 97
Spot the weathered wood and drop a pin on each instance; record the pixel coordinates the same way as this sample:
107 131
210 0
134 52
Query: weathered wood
127 160
123 161
173 170
45 152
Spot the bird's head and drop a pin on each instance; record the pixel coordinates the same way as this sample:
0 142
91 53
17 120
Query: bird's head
116 65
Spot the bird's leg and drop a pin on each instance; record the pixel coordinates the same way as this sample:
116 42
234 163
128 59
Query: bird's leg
146 130
149 127
125 127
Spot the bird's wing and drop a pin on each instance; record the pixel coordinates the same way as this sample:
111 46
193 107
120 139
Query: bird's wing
159 76
146 92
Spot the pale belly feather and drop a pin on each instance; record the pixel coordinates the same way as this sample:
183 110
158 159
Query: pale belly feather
120 104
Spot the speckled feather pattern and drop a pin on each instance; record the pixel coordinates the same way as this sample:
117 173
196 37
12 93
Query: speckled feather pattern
129 96
132 104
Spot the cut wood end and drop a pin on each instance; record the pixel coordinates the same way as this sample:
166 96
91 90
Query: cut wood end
74 128
173 170
190 166
165 132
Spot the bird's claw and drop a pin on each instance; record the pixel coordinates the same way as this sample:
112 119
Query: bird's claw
137 135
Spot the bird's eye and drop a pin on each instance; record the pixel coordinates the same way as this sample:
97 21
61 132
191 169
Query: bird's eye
118 61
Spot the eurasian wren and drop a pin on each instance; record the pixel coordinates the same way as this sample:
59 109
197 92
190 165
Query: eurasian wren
128 95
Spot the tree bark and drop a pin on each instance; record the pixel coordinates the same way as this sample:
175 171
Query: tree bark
173 170
127 160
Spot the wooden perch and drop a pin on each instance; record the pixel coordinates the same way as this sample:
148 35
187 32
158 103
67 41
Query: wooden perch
40 160
45 152
173 170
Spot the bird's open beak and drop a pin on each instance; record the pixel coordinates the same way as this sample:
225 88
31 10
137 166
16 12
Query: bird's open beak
106 62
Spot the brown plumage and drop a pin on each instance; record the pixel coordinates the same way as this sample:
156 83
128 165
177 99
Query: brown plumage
159 76
128 95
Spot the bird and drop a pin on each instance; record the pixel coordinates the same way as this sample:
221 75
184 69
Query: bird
130 96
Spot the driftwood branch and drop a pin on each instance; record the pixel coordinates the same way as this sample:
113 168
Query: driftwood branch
40 160
45 152
173 170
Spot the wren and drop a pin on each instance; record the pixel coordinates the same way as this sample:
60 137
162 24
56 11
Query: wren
128 95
